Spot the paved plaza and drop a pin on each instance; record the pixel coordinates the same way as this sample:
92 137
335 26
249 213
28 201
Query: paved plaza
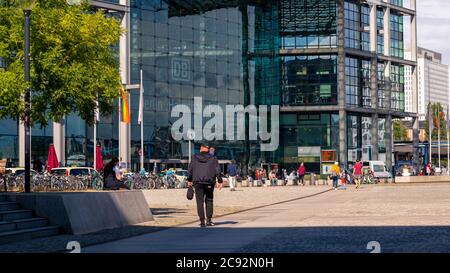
401 218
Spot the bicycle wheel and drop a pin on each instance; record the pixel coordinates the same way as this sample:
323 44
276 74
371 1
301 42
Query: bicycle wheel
151 183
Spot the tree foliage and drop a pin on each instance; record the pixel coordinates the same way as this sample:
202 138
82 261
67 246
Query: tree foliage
72 60
400 131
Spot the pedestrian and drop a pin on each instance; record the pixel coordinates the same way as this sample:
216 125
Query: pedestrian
344 179
232 173
203 171
292 176
357 173
251 176
273 178
301 173
37 165
428 169
335 171
264 175
112 176
285 176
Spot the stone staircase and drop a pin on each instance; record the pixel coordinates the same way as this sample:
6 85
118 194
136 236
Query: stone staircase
17 224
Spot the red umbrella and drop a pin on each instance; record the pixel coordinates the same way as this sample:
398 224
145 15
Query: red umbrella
99 162
52 160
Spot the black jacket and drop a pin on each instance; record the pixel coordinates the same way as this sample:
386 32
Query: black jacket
204 169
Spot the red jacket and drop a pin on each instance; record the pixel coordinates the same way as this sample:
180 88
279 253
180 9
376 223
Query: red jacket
301 170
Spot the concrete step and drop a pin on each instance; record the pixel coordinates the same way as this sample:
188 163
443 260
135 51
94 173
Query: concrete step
23 224
27 234
7 226
11 215
4 205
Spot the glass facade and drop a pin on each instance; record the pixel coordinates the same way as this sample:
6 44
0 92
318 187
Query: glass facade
222 51
308 24
397 87
307 130
9 141
359 137
357 22
243 52
309 80
357 82
397 44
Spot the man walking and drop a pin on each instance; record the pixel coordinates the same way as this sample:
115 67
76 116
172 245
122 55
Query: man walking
232 172
335 173
202 174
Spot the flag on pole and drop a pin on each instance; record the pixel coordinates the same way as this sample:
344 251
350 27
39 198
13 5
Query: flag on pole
141 101
97 111
125 108
448 118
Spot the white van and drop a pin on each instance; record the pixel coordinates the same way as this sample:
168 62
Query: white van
379 170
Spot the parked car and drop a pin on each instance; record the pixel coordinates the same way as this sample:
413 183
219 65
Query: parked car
19 171
181 175
404 168
72 171
378 168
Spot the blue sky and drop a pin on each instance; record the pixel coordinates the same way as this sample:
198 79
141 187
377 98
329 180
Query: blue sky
433 26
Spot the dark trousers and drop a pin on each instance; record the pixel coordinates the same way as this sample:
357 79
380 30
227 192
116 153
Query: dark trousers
335 181
204 194
301 178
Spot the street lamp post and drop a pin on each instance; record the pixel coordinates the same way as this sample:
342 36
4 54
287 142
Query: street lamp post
27 14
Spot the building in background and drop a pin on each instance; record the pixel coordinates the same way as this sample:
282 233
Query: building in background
433 82
336 68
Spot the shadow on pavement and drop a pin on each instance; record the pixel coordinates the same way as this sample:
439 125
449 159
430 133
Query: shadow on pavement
391 239
165 211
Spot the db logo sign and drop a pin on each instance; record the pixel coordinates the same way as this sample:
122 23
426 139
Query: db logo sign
181 69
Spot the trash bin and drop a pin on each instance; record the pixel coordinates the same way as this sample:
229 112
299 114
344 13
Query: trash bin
312 180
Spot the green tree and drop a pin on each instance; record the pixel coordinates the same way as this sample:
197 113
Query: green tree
72 60
435 109
400 131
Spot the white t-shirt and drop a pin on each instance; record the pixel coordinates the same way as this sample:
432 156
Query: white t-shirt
116 171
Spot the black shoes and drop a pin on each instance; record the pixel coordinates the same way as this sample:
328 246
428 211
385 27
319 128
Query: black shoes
209 223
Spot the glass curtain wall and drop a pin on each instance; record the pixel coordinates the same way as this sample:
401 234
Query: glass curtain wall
216 50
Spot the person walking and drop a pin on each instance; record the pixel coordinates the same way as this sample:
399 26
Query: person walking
203 171
344 179
232 173
357 173
335 172
301 173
